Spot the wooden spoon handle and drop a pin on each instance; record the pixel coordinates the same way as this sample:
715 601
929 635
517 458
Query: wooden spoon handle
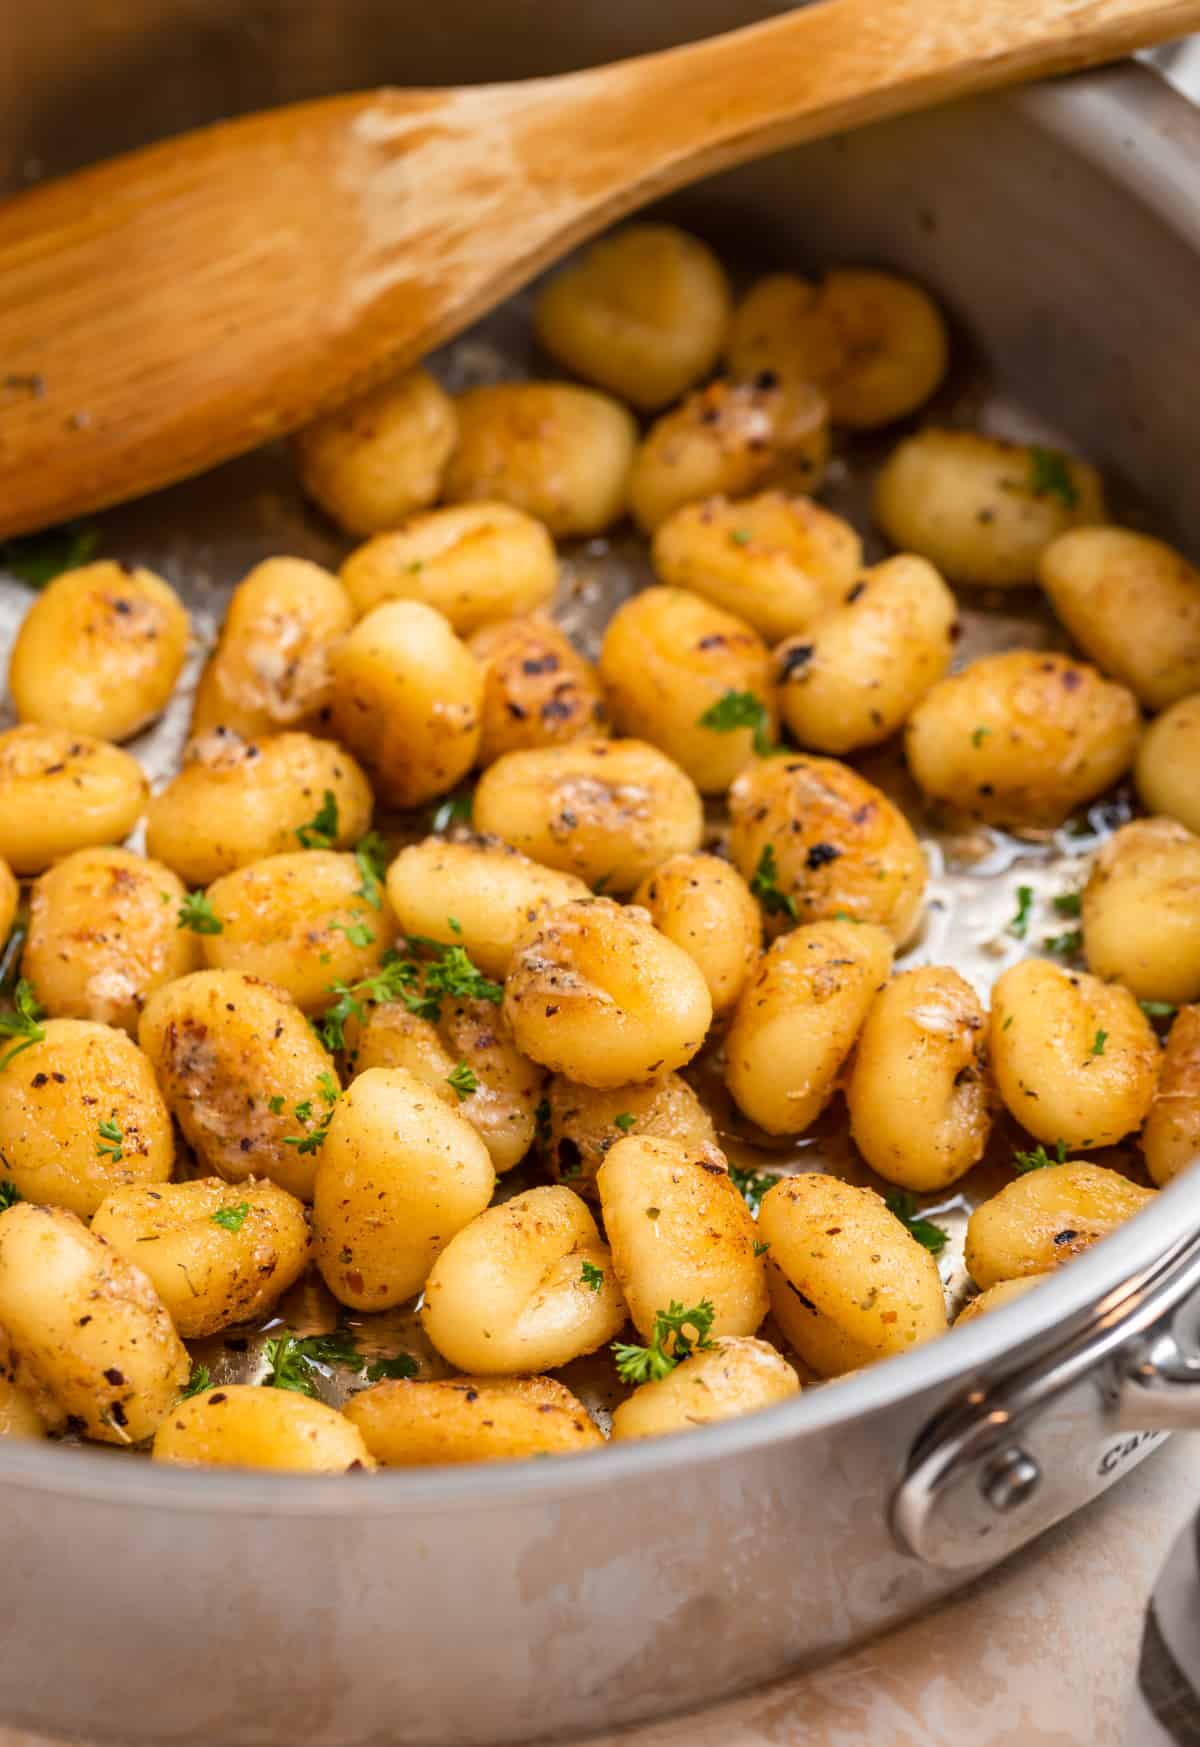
175 307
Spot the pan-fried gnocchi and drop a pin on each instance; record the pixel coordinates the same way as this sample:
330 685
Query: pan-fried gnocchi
981 510
425 1042
477 564
382 457
270 669
99 651
691 679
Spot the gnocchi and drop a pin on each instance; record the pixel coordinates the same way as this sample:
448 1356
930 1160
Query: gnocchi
476 564
239 1426
470 1419
735 1374
60 792
537 689
1171 1137
1167 761
1141 911
1045 1217
705 906
383 456
582 1123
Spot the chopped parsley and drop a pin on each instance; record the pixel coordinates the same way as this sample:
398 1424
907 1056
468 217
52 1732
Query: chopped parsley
932 1237
357 933
370 853
1066 944
734 710
979 735
23 1021
462 1082
765 886
760 1249
1019 926
199 1379
390 1370
592 1276
231 1218
740 536
9 1195
1158 1009
111 1142
38 558
1098 1042
650 1363
751 1185
1050 476
293 1361
419 984
321 830
314 1140
541 1120
625 1121
1068 903
1039 1158
275 1105
455 810
198 914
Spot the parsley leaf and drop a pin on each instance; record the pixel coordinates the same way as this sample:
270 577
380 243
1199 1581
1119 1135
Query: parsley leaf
390 1369
1019 926
462 1082
1068 903
1050 476
649 1364
751 1185
292 1360
765 887
314 1140
371 855
592 1276
38 558
979 735
199 1379
735 710
1039 1158
9 1195
740 536
1066 944
625 1121
454 810
357 933
198 914
231 1218
275 1104
322 829
1158 1009
760 1249
1098 1042
930 1236
111 1142
23 1022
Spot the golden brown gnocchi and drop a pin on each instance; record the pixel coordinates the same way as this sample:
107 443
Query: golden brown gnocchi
240 1426
244 1075
1074 1059
642 313
475 563
491 891
875 344
817 841
849 1284
406 700
856 677
413 1424
680 1233
235 801
99 651
537 688
582 1123
375 461
1046 1217
89 1337
270 669
1022 738
705 906
1141 911
104 933
560 453
10 898
597 993
527 1286
917 1093
301 921
1103 581
398 1175
216 1253
1003 1292
607 810
730 439
1167 762
781 563
80 1113
1171 1136
733 1375
982 510
60 792
798 1018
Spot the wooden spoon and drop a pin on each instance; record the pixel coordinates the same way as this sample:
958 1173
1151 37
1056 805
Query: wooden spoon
179 305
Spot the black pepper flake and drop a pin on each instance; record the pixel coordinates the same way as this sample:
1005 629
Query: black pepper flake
819 854
117 1414
1065 1237
218 1398
796 658
766 379
39 1079
854 593
115 1377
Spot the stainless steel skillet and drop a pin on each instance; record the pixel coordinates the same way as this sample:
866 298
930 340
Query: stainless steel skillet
140 1605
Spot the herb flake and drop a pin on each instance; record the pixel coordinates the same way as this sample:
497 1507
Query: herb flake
198 914
23 1021
657 1360
231 1218
929 1235
734 710
765 886
321 830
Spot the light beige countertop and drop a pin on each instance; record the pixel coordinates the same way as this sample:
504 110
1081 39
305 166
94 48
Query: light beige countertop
1044 1653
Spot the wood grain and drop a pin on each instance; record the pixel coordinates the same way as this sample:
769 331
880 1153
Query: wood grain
181 304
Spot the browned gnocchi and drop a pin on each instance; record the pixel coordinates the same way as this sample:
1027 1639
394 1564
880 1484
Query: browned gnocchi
383 456
1167 761
1171 1136
1045 1217
583 1123
476 564
705 906
1141 911
60 792
415 1424
538 690
239 1426
732 1375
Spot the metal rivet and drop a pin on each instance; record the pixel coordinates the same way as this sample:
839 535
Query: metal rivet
1011 1480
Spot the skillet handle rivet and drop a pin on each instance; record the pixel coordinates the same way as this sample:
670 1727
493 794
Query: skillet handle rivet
1011 1480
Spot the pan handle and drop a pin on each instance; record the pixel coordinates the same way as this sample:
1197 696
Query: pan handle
1009 1460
